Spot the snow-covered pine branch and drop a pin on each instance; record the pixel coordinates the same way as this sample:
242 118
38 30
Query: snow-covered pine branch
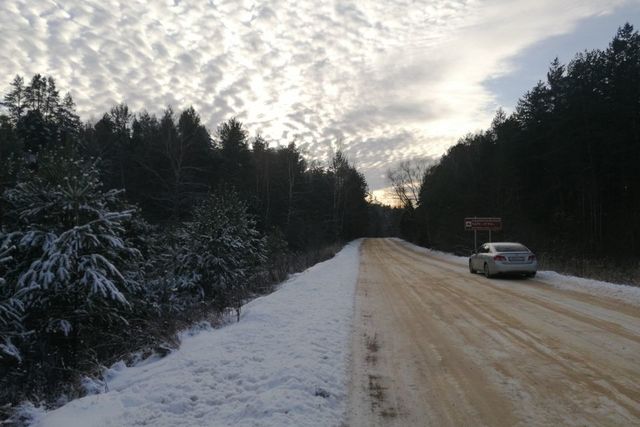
11 309
71 250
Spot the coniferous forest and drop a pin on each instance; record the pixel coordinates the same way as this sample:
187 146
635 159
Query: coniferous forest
561 170
116 234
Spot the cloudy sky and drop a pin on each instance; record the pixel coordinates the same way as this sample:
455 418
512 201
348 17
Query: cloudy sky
385 80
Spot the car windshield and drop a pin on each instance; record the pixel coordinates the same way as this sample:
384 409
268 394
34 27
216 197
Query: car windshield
511 248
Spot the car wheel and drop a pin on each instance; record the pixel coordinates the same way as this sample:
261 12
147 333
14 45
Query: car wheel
471 270
532 274
487 273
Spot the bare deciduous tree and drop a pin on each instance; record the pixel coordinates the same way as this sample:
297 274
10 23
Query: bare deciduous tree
406 179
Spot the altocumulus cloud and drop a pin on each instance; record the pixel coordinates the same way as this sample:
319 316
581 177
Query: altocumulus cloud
386 80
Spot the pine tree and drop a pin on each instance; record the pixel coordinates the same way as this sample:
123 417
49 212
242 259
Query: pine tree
51 100
35 131
70 248
349 199
15 99
222 251
11 311
67 120
237 169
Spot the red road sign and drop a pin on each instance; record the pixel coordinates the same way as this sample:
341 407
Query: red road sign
491 224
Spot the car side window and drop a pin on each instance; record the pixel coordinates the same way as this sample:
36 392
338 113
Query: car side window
484 249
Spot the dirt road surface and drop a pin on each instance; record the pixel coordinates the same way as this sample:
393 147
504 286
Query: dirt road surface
434 345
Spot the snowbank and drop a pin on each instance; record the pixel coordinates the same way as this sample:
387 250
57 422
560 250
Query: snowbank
623 293
285 363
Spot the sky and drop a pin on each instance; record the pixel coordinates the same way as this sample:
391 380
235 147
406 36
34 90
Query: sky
382 80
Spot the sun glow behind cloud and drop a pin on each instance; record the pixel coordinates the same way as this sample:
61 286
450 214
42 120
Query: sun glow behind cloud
385 80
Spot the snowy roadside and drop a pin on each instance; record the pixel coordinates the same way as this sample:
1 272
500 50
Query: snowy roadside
619 292
284 363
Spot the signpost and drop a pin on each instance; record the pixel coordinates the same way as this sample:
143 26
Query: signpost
483 224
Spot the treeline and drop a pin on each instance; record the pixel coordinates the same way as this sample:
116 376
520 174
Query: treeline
115 234
562 170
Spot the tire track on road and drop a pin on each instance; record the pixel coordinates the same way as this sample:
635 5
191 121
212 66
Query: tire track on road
456 349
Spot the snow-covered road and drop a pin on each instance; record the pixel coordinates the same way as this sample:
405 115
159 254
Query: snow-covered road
284 364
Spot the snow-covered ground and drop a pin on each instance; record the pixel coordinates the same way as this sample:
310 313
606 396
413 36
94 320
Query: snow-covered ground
623 293
284 364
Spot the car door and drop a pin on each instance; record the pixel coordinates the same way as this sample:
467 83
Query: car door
482 256
476 260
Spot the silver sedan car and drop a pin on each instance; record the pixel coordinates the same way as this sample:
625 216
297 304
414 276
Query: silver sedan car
503 258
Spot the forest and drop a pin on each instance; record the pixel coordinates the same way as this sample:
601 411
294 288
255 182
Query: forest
115 235
561 170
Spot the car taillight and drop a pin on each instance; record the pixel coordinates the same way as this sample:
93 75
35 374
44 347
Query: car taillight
499 258
532 257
